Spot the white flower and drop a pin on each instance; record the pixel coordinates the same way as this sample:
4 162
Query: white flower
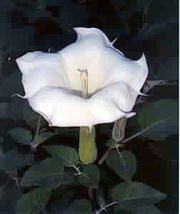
86 83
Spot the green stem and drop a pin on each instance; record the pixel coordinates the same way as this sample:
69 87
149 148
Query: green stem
87 145
128 139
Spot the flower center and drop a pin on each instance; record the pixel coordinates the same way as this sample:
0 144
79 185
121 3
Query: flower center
84 82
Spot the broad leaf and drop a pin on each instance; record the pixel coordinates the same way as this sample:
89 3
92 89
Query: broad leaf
147 210
62 198
19 109
79 207
142 210
12 160
132 195
33 202
49 173
123 163
90 176
150 113
10 193
42 137
3 110
68 154
4 179
21 135
43 169
118 210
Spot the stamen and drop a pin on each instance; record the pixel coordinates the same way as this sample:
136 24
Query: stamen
84 82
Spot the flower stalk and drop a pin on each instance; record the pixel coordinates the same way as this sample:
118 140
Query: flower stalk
87 145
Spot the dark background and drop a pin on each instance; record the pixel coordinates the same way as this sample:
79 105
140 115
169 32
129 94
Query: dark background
140 25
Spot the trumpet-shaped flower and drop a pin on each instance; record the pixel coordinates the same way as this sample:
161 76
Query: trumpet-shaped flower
86 83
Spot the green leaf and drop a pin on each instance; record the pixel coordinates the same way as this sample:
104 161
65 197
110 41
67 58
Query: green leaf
148 210
10 194
112 144
132 195
4 178
63 197
79 207
68 154
90 176
150 113
19 109
33 202
43 169
3 110
12 160
49 173
42 137
21 135
118 210
142 210
123 163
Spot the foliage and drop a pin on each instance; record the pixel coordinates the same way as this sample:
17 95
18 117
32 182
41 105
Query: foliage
127 164
40 170
79 207
34 201
65 154
21 135
133 195
13 160
90 176
165 109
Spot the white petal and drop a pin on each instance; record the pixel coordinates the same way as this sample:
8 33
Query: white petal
41 69
114 81
95 34
113 102
105 64
92 33
85 53
119 68
61 107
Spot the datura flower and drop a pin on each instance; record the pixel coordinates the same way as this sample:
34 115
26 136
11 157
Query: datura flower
86 83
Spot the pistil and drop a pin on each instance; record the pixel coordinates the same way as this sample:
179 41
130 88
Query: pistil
84 82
